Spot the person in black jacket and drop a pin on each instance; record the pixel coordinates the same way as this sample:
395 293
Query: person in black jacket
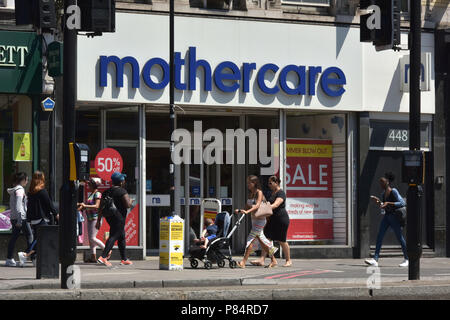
116 221
40 210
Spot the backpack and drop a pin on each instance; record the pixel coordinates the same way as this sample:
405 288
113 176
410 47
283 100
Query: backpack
107 205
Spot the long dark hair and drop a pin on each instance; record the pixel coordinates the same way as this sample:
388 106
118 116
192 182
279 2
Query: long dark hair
19 177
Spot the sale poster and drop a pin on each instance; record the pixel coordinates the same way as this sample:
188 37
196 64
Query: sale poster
309 189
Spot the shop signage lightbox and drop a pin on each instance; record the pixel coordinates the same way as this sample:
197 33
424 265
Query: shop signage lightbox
20 62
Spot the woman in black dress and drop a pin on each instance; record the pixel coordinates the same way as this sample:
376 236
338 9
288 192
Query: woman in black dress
278 224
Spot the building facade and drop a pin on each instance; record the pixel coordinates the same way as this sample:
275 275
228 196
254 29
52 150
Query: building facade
337 109
296 68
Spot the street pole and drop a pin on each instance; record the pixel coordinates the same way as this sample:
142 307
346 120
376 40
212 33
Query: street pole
68 220
413 196
172 111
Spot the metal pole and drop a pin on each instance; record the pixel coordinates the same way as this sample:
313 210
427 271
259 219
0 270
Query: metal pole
172 112
413 222
67 231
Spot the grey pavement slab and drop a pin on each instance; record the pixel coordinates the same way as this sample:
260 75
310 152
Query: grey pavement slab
305 273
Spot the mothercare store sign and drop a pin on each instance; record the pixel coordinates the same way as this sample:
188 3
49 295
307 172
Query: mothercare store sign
309 193
20 62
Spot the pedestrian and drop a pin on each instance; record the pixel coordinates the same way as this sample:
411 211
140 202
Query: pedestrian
254 200
116 221
278 223
91 209
18 216
40 211
389 203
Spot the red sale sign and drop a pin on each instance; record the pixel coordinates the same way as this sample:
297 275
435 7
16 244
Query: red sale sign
309 189
107 162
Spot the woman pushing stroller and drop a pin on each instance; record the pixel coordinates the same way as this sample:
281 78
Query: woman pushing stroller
253 203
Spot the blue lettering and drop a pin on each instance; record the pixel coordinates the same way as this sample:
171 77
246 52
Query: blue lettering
313 72
178 62
301 74
119 63
326 81
193 65
260 78
146 73
234 76
246 69
422 72
228 77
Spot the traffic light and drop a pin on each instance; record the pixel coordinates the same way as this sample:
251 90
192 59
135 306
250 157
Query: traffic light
380 24
40 13
98 15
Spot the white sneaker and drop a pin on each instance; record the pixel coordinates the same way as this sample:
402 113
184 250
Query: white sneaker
371 262
22 259
10 263
405 263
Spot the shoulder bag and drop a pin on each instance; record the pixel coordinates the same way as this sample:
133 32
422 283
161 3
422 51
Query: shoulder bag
264 210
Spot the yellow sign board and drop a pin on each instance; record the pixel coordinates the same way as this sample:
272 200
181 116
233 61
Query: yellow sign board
22 146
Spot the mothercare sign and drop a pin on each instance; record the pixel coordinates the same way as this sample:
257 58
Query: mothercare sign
221 62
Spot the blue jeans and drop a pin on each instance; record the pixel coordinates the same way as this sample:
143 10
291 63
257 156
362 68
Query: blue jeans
390 220
26 229
33 245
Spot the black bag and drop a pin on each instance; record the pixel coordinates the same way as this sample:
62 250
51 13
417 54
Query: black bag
400 214
107 206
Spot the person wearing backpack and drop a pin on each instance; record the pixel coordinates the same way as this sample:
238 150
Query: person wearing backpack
18 206
114 208
40 211
390 202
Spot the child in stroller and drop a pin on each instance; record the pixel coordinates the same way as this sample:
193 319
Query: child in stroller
208 234
210 252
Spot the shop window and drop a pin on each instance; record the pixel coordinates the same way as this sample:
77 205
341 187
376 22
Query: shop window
88 130
317 179
321 3
157 126
122 125
219 4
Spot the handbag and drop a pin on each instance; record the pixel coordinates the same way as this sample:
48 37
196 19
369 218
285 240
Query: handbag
264 210
400 214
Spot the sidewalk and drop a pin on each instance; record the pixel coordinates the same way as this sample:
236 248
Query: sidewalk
329 278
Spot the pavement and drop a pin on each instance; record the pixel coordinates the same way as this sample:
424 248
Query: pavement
305 279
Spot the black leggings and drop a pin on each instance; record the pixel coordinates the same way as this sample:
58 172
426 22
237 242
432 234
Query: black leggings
116 233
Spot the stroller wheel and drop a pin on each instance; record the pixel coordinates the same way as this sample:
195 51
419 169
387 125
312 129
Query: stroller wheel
221 263
208 265
233 264
194 263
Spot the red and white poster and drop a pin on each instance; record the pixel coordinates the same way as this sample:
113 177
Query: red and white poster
309 189
107 162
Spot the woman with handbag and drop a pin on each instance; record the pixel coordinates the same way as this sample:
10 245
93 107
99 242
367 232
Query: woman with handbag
390 202
254 206
278 223
40 211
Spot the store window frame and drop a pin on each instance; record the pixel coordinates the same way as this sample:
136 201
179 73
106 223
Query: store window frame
351 175
309 3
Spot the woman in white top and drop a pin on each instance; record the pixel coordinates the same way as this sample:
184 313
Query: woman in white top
254 201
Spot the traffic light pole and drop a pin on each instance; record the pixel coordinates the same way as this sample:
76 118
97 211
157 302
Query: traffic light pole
413 196
172 102
68 219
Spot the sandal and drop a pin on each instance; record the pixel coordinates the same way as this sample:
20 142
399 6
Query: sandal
242 266
272 265
287 264
257 263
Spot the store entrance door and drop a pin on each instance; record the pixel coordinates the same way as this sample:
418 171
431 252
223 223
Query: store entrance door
199 182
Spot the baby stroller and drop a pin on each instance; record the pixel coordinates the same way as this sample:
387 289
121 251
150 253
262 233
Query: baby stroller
213 253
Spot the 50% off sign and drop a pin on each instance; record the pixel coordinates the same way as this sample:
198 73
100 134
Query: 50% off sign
107 162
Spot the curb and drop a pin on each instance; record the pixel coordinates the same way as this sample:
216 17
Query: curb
242 294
